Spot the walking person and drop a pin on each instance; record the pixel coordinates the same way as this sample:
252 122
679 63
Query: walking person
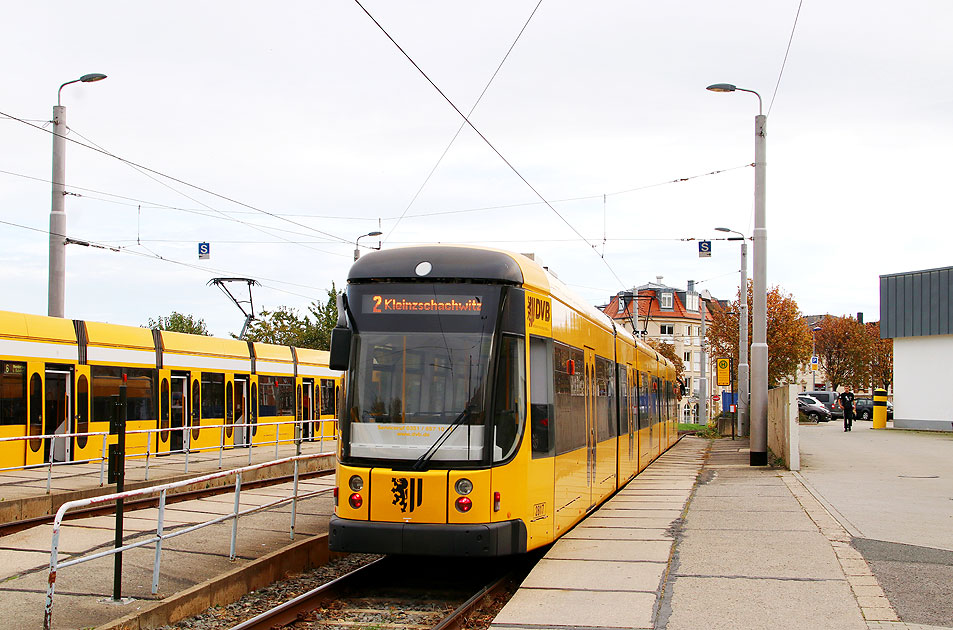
847 404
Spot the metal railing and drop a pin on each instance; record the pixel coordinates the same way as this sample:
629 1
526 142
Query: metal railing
161 535
137 453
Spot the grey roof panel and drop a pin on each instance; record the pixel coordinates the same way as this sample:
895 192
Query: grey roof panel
916 303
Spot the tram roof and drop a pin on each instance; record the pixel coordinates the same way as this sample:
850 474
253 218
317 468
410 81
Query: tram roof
449 263
22 325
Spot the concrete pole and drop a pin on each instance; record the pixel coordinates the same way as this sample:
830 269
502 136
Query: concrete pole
759 343
57 272
743 346
702 379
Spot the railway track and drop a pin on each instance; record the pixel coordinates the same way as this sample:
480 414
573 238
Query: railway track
401 592
151 502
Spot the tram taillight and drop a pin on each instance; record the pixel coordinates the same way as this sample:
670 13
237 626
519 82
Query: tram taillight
496 501
464 504
355 500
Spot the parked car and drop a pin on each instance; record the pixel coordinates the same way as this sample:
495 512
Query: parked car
864 408
829 400
814 410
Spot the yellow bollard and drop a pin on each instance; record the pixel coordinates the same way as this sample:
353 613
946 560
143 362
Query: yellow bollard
880 409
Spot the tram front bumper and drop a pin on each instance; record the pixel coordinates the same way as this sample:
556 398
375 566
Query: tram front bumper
479 540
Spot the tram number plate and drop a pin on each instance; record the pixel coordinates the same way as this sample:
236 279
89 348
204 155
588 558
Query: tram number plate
539 511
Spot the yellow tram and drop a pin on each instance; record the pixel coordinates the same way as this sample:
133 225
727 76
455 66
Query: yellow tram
487 409
61 377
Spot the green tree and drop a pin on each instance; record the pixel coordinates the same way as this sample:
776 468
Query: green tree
284 326
788 337
325 319
844 348
177 322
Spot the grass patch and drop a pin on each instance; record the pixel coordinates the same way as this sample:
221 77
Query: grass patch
700 430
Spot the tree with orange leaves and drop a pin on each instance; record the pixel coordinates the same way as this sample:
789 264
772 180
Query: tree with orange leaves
881 357
844 349
789 340
667 350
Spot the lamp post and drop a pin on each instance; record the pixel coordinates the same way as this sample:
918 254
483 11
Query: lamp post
357 243
759 339
57 272
742 333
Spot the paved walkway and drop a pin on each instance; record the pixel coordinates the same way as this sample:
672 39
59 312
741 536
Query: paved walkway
703 540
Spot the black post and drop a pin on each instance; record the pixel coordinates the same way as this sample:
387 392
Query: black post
121 416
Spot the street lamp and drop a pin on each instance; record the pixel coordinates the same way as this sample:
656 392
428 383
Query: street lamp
57 272
742 333
759 339
357 243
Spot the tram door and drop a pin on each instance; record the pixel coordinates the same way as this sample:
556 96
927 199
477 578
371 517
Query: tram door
591 437
58 417
180 411
241 411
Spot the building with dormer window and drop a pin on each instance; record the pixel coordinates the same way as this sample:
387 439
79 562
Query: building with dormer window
658 311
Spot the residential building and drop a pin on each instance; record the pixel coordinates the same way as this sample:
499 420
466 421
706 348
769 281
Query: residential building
658 311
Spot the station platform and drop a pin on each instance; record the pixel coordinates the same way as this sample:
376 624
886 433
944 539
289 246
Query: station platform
192 565
703 540
24 494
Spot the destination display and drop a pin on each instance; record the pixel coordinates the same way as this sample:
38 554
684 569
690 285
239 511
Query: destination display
397 304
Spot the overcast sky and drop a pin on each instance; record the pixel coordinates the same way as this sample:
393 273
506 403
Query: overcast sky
306 127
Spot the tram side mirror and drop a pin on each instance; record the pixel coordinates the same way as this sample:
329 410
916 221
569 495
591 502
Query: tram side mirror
340 338
340 348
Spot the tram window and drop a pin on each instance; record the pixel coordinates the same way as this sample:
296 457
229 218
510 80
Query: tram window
277 396
195 403
509 398
644 404
327 397
36 411
82 410
623 400
213 395
542 431
106 382
605 389
229 410
140 393
570 390
12 393
140 389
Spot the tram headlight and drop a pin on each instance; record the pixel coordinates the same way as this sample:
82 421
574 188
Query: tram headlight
463 486
464 504
355 483
355 501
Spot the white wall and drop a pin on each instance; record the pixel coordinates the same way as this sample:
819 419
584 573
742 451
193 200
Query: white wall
922 396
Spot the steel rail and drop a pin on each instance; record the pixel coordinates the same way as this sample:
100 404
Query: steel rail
363 583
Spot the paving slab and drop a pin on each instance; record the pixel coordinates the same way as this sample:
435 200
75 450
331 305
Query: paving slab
629 550
589 532
734 521
596 575
717 604
556 608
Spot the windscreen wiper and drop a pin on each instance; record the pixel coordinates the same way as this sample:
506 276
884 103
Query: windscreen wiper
424 459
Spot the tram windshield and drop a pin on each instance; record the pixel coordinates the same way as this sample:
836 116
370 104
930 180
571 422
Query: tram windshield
418 372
